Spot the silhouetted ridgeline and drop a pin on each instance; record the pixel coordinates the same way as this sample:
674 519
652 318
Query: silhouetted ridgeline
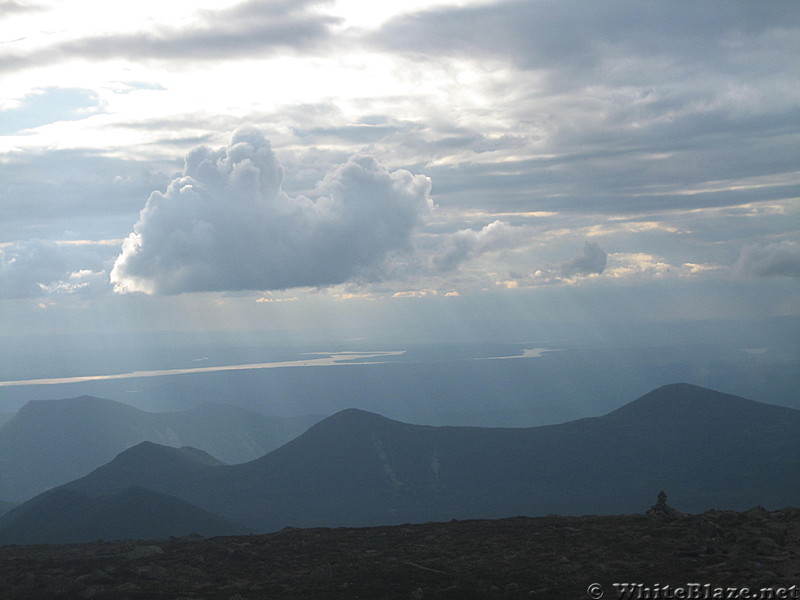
710 450
51 442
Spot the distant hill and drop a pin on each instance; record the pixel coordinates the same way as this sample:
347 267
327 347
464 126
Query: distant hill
155 467
50 442
355 468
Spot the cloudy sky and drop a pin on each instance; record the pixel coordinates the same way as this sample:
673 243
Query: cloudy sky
358 167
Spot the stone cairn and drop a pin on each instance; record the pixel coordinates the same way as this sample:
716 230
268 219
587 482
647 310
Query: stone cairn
662 509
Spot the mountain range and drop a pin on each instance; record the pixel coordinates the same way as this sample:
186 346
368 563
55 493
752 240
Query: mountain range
355 468
51 442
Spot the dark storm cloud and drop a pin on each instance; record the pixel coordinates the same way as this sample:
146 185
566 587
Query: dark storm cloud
226 224
247 30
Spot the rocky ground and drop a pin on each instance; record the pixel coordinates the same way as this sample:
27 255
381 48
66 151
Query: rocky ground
543 558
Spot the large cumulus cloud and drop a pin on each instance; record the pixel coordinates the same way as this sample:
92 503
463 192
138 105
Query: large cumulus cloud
226 224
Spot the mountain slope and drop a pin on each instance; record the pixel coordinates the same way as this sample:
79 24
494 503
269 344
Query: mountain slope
50 442
707 449
135 512
129 511
6 506
147 465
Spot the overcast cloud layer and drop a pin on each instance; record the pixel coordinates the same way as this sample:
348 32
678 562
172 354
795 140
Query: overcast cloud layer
609 147
214 35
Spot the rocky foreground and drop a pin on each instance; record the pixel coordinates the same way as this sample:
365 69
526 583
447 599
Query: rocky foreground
546 557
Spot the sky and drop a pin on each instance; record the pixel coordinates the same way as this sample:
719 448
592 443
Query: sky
385 171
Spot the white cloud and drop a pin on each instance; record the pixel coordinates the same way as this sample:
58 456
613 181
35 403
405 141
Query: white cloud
467 244
270 299
226 224
77 281
631 264
415 294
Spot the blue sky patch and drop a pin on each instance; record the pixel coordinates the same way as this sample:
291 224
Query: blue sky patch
50 106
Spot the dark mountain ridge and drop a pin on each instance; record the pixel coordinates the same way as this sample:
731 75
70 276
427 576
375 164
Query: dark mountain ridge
155 466
684 400
51 442
709 450
134 512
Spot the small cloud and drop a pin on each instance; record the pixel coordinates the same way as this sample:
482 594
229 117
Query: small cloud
267 300
467 244
694 268
33 268
75 282
779 259
628 264
354 296
592 261
509 284
415 294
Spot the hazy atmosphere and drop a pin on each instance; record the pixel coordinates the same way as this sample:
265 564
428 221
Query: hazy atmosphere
340 299
607 191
